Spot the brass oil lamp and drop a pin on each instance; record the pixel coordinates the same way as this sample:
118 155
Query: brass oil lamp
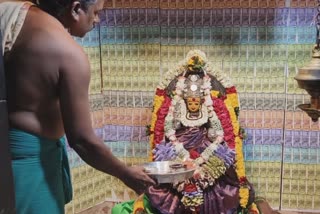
308 78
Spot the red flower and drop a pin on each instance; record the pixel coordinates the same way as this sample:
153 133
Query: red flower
231 90
226 123
194 154
160 92
158 139
243 180
190 188
159 125
161 115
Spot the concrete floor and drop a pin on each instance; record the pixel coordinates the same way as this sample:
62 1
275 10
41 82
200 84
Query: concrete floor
104 208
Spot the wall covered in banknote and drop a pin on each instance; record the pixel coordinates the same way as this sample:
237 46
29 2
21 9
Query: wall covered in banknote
260 44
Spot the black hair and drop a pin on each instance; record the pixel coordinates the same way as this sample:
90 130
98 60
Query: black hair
57 8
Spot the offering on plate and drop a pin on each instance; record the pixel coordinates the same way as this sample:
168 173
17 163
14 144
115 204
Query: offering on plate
169 171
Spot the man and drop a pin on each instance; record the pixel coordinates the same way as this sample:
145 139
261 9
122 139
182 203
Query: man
47 78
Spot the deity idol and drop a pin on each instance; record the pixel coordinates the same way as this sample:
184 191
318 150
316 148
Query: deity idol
195 119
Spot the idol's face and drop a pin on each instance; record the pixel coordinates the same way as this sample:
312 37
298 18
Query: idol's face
194 104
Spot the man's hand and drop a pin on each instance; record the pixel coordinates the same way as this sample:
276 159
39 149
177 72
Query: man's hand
137 179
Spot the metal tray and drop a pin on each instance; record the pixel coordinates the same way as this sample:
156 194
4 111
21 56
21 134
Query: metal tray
169 171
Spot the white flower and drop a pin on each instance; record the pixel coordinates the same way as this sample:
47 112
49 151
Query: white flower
182 67
208 101
173 102
171 134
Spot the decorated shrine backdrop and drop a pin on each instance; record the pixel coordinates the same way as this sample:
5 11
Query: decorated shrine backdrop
260 44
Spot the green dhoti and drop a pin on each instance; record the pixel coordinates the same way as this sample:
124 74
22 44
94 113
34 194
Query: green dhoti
41 173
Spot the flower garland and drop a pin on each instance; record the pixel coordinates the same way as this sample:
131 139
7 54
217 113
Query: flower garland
224 117
157 104
192 196
232 95
205 176
232 103
190 62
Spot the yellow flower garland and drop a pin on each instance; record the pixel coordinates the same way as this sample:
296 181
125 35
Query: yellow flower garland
244 196
157 103
231 102
233 116
215 93
233 98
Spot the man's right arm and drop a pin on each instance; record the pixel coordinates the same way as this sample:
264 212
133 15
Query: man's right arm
74 78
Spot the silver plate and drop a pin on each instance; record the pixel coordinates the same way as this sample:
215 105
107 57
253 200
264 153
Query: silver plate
169 171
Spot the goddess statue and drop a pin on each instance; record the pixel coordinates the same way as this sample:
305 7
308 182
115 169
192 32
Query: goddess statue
195 119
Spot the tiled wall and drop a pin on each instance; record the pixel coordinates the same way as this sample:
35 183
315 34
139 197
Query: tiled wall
259 43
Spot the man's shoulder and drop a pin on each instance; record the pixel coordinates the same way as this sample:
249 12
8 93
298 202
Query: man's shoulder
44 38
47 27
45 33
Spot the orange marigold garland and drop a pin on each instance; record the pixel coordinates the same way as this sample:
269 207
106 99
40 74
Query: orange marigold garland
232 104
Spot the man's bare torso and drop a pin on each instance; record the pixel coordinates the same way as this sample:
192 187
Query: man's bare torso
32 76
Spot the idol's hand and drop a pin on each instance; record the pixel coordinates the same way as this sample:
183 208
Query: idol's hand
182 153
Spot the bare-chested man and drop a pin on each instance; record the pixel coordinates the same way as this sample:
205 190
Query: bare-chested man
47 77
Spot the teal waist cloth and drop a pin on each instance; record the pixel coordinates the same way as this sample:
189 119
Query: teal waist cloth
41 173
